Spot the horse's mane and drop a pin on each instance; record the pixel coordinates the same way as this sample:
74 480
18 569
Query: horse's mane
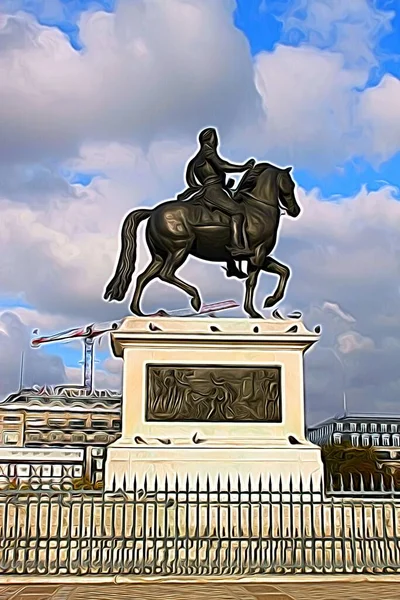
250 180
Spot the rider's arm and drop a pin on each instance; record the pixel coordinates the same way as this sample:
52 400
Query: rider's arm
221 164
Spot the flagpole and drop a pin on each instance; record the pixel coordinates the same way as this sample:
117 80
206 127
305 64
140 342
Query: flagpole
21 371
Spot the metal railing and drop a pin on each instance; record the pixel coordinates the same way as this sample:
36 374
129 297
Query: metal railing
356 485
168 529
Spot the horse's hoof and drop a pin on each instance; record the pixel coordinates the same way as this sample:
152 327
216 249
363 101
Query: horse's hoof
196 304
253 314
270 301
235 273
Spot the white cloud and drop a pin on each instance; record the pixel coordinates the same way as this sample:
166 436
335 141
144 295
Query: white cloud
335 309
316 117
352 341
151 69
351 28
39 367
379 109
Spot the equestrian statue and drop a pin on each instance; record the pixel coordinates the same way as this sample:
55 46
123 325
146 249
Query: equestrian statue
213 222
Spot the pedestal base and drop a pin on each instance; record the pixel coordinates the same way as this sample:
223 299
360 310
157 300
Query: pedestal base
282 466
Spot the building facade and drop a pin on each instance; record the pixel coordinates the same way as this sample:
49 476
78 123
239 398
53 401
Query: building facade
63 417
358 430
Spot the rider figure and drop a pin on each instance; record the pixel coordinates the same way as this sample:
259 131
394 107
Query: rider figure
210 172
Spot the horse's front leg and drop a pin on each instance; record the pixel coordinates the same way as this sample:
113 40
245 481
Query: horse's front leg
273 266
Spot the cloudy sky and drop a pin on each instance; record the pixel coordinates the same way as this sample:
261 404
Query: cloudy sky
100 106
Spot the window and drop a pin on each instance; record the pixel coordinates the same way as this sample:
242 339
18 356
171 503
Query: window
57 422
375 440
116 424
11 438
33 437
339 426
393 428
383 427
35 422
365 440
98 452
363 427
386 439
78 437
396 439
337 438
353 426
355 439
11 419
77 423
373 427
101 437
100 424
22 470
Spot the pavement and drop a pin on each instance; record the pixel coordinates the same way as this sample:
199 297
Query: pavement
215 591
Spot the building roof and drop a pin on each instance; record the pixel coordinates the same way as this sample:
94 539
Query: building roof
62 396
378 418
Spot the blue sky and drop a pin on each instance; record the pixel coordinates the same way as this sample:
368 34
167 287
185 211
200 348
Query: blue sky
69 174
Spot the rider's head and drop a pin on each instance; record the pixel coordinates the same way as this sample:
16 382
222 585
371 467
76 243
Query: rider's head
209 136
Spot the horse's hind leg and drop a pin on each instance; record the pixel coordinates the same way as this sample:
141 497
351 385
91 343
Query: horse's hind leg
150 273
172 263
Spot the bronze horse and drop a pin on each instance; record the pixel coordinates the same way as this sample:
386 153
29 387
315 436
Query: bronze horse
178 229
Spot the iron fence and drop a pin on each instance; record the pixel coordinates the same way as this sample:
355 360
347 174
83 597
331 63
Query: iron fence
167 529
357 485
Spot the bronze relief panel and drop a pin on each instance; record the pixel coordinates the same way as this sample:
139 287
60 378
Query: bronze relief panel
214 393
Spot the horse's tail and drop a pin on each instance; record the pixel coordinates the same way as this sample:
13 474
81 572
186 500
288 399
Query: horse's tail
119 284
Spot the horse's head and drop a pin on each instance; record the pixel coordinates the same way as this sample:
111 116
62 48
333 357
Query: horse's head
287 198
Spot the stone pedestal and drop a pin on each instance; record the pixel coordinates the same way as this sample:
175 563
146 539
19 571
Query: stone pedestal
212 398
